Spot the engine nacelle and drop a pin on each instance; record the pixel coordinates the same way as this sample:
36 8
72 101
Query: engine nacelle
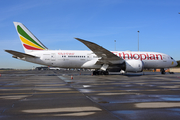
134 66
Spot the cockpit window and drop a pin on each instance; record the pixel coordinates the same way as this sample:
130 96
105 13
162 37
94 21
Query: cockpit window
171 58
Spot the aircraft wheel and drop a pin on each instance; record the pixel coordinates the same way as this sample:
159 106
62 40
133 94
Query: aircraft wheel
100 73
94 72
106 73
163 71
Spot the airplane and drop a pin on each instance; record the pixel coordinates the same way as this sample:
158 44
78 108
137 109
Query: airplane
98 58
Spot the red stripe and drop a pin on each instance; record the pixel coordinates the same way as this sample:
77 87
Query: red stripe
30 47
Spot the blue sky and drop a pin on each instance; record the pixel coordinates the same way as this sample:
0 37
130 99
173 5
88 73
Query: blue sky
56 22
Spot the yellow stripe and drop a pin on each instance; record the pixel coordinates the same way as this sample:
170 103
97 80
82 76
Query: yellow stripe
27 42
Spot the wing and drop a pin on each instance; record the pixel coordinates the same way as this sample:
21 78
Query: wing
19 54
106 56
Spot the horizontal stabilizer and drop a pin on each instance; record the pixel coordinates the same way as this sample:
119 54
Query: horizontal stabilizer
19 54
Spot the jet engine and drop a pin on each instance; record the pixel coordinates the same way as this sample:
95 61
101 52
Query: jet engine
133 66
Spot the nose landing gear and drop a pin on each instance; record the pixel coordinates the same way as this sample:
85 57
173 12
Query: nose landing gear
163 71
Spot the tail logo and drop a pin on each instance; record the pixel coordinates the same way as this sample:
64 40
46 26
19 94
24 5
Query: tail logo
27 41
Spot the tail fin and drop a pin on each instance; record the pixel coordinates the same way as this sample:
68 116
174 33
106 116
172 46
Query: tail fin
29 41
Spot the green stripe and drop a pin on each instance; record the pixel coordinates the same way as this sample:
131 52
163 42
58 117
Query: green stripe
24 34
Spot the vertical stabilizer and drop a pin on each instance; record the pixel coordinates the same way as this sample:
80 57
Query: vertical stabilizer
29 42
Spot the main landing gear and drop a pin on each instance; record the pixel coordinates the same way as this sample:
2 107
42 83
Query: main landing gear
100 73
163 71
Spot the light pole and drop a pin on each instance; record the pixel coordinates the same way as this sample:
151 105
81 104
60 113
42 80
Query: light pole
138 40
115 45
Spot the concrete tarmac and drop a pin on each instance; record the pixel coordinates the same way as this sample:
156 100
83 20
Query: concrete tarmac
51 95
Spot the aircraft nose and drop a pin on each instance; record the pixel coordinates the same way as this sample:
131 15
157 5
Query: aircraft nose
175 63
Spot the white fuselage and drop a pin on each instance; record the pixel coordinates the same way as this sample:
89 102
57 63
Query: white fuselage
87 59
99 58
